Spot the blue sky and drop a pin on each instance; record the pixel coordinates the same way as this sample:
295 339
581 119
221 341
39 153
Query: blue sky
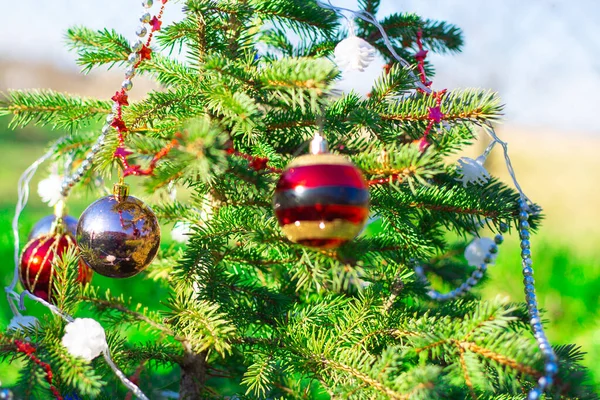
542 56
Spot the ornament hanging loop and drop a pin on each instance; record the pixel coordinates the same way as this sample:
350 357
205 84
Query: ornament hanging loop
120 190
318 145
59 226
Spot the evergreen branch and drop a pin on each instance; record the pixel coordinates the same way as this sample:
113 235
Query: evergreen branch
499 358
370 382
169 72
301 16
96 48
202 324
466 376
176 104
438 36
47 107
397 81
114 305
468 105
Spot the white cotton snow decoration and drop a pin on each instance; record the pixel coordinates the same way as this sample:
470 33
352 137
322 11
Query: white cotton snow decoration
49 189
472 171
85 338
353 53
181 232
477 250
21 322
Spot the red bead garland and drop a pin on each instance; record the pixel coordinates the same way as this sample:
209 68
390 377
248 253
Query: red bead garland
29 351
121 99
435 114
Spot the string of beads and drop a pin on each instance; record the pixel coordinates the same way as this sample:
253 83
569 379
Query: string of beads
140 51
475 277
29 351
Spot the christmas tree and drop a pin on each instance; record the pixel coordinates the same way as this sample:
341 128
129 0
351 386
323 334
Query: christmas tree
233 144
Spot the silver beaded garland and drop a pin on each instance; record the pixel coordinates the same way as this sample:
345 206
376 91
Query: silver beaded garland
137 46
145 18
129 72
133 58
141 31
550 364
472 281
127 84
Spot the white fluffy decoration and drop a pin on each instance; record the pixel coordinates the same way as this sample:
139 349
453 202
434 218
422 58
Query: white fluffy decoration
472 171
84 338
20 322
477 250
49 189
353 53
181 231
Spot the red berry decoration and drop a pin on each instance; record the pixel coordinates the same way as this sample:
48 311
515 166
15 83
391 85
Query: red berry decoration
321 199
36 271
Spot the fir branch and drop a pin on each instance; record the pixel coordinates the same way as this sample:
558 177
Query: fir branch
202 325
47 107
169 72
94 48
364 378
300 16
466 105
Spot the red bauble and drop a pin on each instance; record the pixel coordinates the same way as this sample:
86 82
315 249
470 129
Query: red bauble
321 200
36 271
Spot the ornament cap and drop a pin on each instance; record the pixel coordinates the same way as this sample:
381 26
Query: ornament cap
120 191
318 145
59 226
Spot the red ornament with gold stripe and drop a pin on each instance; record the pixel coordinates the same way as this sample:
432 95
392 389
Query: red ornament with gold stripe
321 199
36 266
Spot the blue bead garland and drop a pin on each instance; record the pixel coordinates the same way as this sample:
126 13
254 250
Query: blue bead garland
550 360
471 281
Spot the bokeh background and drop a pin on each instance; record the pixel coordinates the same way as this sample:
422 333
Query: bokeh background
542 57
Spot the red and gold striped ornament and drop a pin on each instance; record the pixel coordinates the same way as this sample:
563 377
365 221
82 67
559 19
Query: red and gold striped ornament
36 269
321 199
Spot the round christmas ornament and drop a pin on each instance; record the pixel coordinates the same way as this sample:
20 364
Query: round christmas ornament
321 199
44 226
118 235
36 270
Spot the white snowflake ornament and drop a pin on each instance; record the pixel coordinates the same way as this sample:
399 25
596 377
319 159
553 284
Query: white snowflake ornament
85 338
472 171
21 322
478 250
49 189
353 53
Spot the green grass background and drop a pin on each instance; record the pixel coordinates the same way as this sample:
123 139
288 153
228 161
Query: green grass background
567 261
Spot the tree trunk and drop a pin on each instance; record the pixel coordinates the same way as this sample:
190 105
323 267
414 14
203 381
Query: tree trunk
193 375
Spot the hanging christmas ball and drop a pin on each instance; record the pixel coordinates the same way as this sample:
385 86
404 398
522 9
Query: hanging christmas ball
44 226
36 270
118 235
321 199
